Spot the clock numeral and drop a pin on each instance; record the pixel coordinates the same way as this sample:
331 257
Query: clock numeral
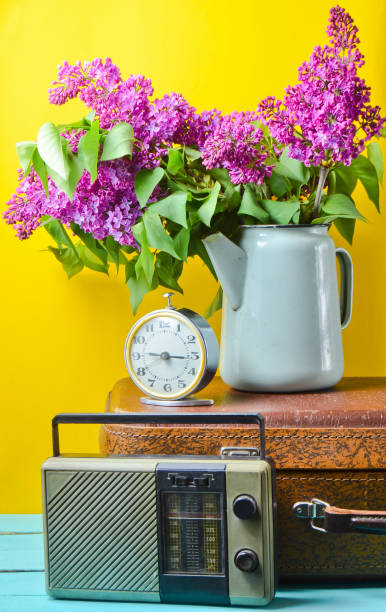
151 381
194 355
136 356
192 371
141 371
167 387
139 340
178 327
191 339
164 324
149 327
181 384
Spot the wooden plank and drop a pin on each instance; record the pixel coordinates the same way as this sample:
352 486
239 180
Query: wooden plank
21 552
24 593
22 583
21 523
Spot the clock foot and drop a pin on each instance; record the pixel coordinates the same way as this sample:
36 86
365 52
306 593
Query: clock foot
186 401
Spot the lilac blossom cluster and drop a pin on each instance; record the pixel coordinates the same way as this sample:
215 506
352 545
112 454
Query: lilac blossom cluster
103 208
327 117
109 207
237 145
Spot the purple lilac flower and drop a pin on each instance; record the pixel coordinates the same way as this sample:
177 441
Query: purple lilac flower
107 207
237 145
320 118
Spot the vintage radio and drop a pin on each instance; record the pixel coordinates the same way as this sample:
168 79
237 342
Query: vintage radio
173 529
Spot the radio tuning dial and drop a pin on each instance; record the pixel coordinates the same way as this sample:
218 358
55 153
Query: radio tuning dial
246 560
244 506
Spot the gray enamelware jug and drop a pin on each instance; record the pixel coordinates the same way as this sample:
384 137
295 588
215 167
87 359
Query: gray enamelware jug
281 318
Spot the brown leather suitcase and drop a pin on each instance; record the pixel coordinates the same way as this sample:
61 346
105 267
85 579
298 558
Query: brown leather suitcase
329 445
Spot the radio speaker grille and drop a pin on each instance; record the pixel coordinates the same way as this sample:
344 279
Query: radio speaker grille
102 531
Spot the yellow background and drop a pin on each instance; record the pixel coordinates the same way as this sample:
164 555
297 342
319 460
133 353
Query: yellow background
62 341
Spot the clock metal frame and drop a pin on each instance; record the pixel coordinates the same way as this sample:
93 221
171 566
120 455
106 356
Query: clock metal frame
208 343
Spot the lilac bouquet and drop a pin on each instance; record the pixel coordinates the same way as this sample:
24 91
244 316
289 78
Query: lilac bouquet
139 181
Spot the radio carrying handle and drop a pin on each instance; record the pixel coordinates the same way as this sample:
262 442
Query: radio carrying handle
157 419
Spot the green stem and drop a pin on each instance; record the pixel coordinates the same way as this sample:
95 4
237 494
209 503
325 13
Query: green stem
322 180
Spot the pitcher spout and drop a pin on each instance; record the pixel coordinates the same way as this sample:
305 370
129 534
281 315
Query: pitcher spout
229 262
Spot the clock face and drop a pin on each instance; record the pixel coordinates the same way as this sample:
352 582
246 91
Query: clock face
165 355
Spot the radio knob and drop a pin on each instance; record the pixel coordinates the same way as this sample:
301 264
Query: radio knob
246 560
244 506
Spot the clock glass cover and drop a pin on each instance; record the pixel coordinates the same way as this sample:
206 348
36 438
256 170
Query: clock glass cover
165 355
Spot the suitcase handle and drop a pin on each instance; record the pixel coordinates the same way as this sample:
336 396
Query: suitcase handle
209 418
341 520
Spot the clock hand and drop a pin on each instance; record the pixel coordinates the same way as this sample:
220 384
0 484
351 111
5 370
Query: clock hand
165 355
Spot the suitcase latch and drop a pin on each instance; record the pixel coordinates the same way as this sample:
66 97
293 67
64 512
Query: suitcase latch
235 451
311 510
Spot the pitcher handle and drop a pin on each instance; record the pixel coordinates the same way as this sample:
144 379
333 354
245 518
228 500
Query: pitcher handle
346 285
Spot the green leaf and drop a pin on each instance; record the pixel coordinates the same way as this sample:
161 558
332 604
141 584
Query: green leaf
342 180
324 219
145 261
192 154
232 198
145 182
113 249
68 185
41 170
173 207
341 205
281 212
175 161
278 184
130 268
292 168
168 270
58 232
70 261
156 234
76 171
221 175
88 149
93 245
367 174
181 243
138 288
206 210
346 228
90 117
383 131
249 206
215 304
50 148
90 260
25 151
375 156
296 216
118 142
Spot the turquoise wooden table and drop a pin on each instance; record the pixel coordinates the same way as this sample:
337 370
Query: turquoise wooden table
22 583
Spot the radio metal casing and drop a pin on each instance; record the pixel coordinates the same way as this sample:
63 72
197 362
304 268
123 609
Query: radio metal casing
157 529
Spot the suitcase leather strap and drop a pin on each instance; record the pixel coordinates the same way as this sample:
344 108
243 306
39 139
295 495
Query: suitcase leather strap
341 520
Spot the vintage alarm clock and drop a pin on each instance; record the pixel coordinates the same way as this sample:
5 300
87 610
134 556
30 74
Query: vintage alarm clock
164 528
170 354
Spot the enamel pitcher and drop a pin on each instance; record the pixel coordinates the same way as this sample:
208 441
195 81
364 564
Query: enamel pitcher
282 320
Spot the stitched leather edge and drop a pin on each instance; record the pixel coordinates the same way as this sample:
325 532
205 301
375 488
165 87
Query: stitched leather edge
213 436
